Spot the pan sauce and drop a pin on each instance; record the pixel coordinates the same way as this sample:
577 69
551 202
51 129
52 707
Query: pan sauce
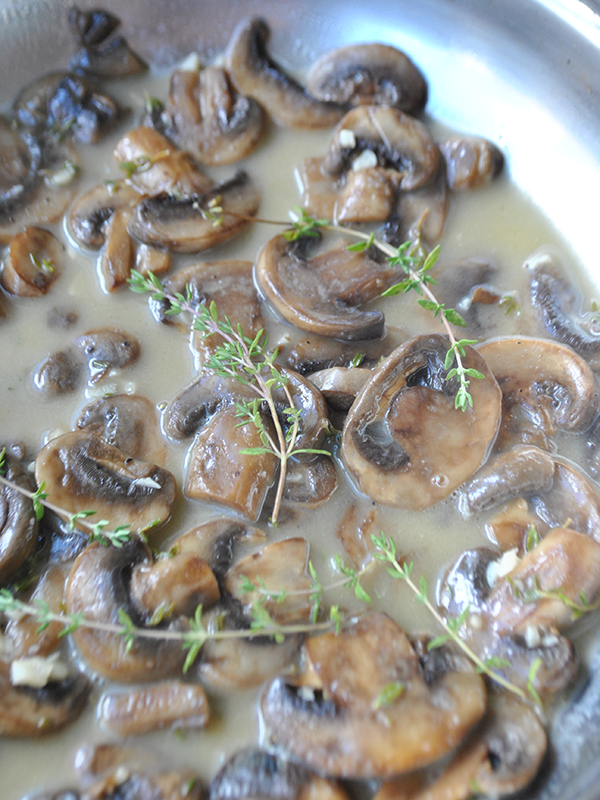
496 223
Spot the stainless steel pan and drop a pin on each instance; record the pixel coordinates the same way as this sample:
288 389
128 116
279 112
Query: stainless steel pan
525 73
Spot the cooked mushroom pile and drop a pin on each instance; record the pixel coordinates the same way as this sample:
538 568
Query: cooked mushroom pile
197 496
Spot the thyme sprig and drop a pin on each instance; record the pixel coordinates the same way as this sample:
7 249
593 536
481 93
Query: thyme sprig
385 551
97 531
249 362
191 640
536 593
416 263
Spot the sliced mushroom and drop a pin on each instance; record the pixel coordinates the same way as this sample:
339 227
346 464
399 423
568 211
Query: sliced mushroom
321 294
210 119
81 471
117 257
313 353
93 210
23 636
310 483
28 712
472 162
67 103
32 263
340 385
151 259
255 74
244 663
254 773
187 225
216 541
107 348
59 373
368 74
18 523
523 469
230 285
502 756
336 723
354 532
398 142
419 213
99 589
157 165
174 705
510 527
126 421
280 566
97 57
556 302
38 179
545 387
176 584
562 570
218 472
573 501
404 442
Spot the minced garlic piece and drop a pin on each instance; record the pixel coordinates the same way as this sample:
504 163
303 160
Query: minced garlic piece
502 566
37 671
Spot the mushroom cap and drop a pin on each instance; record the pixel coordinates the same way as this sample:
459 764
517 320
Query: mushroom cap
98 588
179 225
368 74
82 471
401 144
18 523
321 294
255 74
33 263
404 441
210 119
472 161
336 725
545 386
92 211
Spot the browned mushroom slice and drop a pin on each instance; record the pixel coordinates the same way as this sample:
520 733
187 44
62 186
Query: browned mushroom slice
404 441
472 162
193 406
321 294
340 385
227 283
59 373
98 57
66 103
93 210
81 471
176 585
37 181
336 723
23 636
510 527
32 263
126 421
396 141
210 119
257 75
117 257
313 353
545 387
107 348
173 705
218 472
310 483
561 573
154 165
216 542
98 589
280 566
503 756
355 530
573 501
368 74
523 469
247 662
18 524
151 259
187 225
257 773
30 712
558 305
421 212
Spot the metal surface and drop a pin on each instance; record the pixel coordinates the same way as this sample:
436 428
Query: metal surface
524 73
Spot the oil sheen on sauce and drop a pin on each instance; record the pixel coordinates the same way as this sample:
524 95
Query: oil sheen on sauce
496 224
